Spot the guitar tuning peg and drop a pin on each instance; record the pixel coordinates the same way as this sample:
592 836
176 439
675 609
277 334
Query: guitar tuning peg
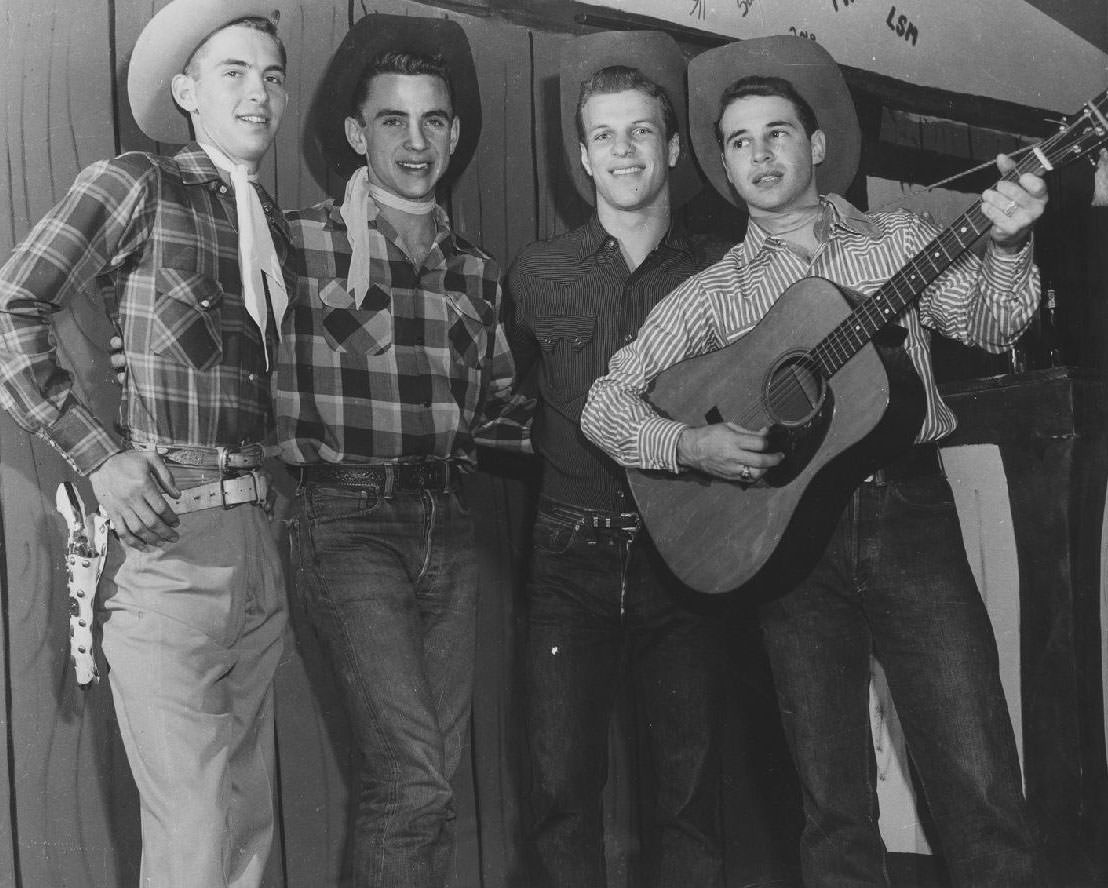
1059 122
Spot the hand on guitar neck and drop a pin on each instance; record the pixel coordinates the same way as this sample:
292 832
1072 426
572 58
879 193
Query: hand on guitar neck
727 450
1013 207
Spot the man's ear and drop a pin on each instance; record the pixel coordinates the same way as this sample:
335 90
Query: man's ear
355 134
819 146
585 159
183 88
674 149
455 132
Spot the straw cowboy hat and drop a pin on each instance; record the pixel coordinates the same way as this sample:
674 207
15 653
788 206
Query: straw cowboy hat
164 48
377 33
809 68
656 55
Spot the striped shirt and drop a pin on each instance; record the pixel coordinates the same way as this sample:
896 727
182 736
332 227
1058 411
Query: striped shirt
152 239
418 369
575 304
987 304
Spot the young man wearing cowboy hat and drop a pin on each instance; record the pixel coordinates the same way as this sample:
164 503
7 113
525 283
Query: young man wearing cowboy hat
600 596
392 362
192 596
772 119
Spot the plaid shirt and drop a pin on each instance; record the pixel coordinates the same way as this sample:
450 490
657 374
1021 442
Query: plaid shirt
987 304
153 239
420 368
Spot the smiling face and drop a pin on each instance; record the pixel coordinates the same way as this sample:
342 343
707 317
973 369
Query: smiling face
769 158
625 150
234 90
407 133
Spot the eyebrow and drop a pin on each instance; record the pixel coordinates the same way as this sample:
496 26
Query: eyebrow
396 112
772 124
242 63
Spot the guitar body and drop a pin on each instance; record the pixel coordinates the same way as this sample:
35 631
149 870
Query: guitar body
717 535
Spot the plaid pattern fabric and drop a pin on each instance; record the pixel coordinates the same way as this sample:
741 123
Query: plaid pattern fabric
153 239
420 368
987 304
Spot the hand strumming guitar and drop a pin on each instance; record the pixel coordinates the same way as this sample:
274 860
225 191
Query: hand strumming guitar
728 451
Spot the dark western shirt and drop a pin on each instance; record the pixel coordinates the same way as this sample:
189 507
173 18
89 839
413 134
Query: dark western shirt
153 239
419 368
575 304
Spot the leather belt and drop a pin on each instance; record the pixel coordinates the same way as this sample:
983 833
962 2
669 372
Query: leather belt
595 519
252 487
433 475
920 461
226 459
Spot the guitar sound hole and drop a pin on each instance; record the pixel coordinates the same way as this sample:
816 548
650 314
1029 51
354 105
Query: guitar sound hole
794 390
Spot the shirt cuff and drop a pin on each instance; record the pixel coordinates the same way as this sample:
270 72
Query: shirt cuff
1009 272
81 440
658 443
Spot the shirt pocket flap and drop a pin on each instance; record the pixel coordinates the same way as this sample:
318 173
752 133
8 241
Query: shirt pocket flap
187 318
575 330
335 295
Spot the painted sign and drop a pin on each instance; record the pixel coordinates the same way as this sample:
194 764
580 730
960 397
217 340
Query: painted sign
1003 49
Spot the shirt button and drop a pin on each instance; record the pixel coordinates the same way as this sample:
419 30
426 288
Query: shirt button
419 340
630 337
426 403
222 189
205 303
268 209
252 377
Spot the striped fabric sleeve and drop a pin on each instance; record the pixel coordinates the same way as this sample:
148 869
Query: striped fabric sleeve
616 417
986 303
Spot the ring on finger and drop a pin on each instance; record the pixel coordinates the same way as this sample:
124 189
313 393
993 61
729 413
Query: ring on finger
745 473
1010 209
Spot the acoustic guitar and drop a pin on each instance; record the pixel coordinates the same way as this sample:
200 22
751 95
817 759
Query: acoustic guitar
825 372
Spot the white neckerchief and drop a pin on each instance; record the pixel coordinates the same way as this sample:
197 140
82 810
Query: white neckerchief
355 213
256 251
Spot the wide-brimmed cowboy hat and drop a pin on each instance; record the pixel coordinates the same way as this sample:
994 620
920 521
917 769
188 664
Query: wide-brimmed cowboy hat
657 56
377 33
164 48
809 68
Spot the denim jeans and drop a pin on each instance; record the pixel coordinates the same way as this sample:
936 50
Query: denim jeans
391 588
598 601
894 580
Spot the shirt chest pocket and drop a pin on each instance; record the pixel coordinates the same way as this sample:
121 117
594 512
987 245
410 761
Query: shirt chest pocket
187 327
566 342
471 322
365 329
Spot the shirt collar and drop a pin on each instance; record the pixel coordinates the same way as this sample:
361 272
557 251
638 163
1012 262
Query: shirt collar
595 238
442 220
838 213
197 169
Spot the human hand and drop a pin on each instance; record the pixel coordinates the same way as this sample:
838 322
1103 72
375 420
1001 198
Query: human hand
728 451
1013 207
117 358
129 487
1100 180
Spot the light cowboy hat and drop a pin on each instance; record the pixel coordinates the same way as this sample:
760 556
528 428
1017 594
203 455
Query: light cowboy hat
377 33
164 48
814 74
657 56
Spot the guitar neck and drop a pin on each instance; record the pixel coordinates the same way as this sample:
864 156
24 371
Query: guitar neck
905 287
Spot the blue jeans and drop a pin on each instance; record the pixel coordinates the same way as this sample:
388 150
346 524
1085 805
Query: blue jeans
599 601
894 581
391 588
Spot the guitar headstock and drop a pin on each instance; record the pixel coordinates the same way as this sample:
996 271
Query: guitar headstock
1080 135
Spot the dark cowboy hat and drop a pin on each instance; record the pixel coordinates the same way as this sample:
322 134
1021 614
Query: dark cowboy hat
809 68
656 55
164 48
377 33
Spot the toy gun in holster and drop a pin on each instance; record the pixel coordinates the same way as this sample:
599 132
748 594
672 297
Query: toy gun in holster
84 560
